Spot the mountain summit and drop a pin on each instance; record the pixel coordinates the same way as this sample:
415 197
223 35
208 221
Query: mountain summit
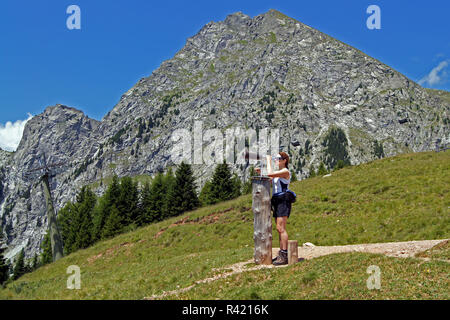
269 71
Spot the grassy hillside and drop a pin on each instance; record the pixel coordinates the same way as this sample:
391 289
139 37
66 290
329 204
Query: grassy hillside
393 199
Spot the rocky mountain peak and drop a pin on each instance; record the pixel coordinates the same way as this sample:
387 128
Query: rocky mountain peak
237 20
57 132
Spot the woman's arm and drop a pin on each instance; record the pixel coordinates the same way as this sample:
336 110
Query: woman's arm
281 173
269 164
284 173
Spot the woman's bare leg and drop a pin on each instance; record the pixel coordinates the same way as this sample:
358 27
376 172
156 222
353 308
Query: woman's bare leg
283 235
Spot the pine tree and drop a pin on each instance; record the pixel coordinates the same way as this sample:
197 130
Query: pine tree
146 203
104 208
222 187
114 189
4 267
182 194
19 268
205 197
66 221
128 201
29 267
100 214
157 198
84 211
312 172
113 225
378 149
75 221
35 263
169 208
340 164
237 185
46 247
185 178
322 170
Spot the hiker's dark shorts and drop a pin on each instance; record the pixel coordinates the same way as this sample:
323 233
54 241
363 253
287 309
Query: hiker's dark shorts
281 206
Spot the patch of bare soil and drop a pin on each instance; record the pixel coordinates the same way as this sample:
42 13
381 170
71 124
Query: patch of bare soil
211 218
111 252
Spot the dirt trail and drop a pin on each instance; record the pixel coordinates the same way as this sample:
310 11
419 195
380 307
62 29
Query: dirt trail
404 249
392 249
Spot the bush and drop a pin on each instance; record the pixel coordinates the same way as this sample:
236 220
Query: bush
378 149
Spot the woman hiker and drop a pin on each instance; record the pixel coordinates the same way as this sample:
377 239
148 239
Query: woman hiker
280 203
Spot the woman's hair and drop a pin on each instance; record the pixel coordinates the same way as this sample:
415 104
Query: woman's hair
285 156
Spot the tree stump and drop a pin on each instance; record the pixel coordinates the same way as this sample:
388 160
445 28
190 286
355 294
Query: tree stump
262 222
292 251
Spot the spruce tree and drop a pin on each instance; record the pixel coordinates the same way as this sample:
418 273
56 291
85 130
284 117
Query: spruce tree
46 247
75 221
322 170
222 187
113 225
66 221
19 268
182 194
340 164
100 214
128 201
146 199
205 197
237 185
104 208
157 198
312 172
4 267
378 149
84 212
169 208
113 191
35 263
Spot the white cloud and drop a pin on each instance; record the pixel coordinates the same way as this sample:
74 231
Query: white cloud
11 133
437 75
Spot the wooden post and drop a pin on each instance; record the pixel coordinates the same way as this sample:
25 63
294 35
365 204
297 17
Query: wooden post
262 222
292 251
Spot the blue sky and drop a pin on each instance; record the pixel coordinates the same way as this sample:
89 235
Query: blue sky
42 62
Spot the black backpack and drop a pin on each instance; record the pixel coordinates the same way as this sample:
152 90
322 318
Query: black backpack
291 196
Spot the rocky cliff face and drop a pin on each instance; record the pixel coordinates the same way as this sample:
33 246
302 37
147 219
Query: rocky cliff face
63 134
269 71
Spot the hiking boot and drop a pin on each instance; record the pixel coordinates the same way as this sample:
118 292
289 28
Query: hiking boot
273 259
281 259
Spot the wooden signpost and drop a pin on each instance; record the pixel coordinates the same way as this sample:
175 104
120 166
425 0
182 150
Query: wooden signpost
292 251
261 206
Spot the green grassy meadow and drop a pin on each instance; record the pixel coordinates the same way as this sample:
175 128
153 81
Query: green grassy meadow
402 198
